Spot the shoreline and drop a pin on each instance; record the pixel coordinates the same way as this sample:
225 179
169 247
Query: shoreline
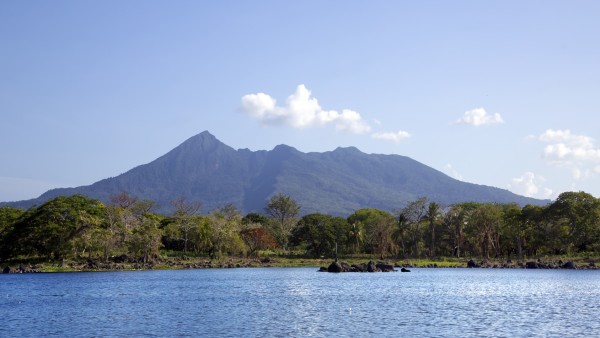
170 263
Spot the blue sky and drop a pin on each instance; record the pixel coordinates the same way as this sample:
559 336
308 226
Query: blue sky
501 93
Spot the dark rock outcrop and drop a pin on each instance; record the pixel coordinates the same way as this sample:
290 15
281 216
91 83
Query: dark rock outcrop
385 267
471 264
532 265
362 267
338 266
335 267
404 270
569 265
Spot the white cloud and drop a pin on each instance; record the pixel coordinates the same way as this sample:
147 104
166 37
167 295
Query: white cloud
479 117
529 185
301 110
391 136
569 149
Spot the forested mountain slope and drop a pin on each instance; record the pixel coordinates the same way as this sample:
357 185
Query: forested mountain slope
337 182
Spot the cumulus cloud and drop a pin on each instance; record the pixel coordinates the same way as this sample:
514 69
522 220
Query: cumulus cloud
479 117
392 136
530 185
568 149
301 110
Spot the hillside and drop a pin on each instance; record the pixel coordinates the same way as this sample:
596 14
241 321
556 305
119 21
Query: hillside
337 182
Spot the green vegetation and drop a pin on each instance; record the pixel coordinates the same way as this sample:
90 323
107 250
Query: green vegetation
77 232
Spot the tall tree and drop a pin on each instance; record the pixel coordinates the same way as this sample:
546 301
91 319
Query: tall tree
183 216
226 225
283 210
414 213
432 216
378 230
580 212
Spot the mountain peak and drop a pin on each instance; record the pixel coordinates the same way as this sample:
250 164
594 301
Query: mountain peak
204 141
284 148
204 169
347 150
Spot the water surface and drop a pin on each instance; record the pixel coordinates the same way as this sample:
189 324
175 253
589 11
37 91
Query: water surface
282 302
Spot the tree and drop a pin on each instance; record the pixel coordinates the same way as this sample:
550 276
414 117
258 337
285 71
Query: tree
8 218
283 210
487 220
255 218
378 228
52 229
145 239
580 212
255 234
356 236
379 235
321 234
182 216
225 228
515 227
414 213
432 216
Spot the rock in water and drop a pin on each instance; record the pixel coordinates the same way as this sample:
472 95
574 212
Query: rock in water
371 267
385 267
335 267
532 265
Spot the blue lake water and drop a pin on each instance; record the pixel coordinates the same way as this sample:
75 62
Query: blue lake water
300 302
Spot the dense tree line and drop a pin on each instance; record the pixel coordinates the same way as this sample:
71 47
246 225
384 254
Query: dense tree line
77 226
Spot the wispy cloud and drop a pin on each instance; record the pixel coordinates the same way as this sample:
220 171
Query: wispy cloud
392 136
479 117
453 172
302 110
530 185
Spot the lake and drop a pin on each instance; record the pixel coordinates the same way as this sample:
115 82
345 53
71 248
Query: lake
300 302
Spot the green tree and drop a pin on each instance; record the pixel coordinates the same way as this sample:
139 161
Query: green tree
378 229
356 236
486 221
52 229
182 217
414 213
322 235
433 216
145 239
515 228
580 213
8 218
225 228
283 209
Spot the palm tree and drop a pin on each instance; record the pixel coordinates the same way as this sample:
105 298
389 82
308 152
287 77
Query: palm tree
432 215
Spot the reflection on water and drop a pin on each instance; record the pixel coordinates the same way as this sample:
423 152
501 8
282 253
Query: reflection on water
302 302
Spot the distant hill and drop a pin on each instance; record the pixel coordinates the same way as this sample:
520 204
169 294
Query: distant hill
335 182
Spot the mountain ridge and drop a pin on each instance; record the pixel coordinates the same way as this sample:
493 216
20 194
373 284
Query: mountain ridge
335 182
